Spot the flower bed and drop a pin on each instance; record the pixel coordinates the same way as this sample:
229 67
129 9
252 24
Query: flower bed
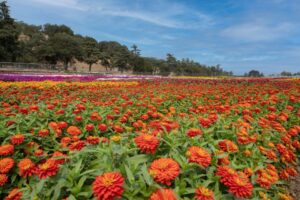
161 139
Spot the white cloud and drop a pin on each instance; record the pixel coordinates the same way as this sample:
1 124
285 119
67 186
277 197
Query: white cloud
154 19
160 13
258 31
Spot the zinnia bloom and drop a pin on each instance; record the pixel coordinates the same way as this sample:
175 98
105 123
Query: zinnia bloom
38 152
6 149
77 146
163 194
199 155
226 173
48 168
6 164
228 146
102 127
43 133
26 167
285 196
192 132
267 177
115 138
93 139
15 194
56 156
73 130
3 179
89 127
62 124
205 122
17 139
108 186
65 141
203 193
147 143
240 187
164 170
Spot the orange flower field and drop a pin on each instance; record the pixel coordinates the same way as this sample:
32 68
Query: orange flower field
160 139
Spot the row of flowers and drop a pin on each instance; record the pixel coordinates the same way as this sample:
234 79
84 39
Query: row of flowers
67 77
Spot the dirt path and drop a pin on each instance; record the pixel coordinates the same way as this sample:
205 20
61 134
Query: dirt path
295 185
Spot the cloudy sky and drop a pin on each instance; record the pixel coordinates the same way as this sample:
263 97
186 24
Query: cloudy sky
238 34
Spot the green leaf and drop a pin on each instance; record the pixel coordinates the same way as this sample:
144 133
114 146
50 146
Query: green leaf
129 174
138 159
40 185
146 175
81 181
71 197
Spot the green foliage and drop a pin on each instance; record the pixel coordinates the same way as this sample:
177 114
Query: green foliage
91 52
8 35
254 73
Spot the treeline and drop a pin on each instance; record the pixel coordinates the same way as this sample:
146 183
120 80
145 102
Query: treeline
256 73
51 43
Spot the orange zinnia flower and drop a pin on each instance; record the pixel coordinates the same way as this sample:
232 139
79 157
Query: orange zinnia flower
6 164
43 133
15 194
240 187
3 179
192 132
26 167
6 149
77 146
199 155
62 124
38 152
65 141
267 177
163 194
108 186
205 122
102 127
48 168
164 170
17 139
73 130
147 143
226 173
228 146
56 156
93 139
203 193
89 127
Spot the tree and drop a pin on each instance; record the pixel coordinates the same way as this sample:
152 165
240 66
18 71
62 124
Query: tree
105 60
9 46
135 51
4 11
254 73
171 63
120 59
136 61
117 55
91 53
60 47
284 73
52 29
